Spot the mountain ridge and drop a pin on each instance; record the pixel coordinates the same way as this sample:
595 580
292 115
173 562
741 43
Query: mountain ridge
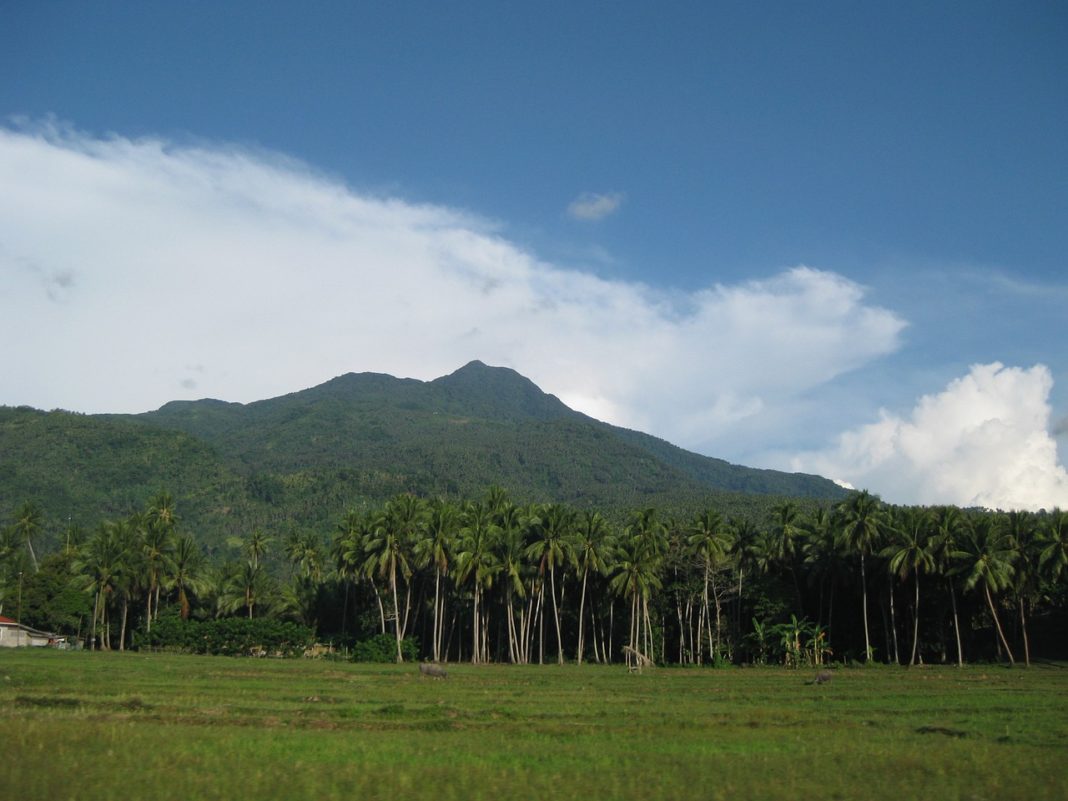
476 391
300 460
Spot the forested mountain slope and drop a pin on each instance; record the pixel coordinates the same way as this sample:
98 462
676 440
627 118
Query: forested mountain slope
301 459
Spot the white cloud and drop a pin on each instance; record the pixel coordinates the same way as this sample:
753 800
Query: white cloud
125 263
983 441
591 206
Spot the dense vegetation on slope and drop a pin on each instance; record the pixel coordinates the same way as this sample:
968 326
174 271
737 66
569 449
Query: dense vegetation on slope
300 460
80 469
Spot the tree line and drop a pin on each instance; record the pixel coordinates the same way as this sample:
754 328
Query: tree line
489 580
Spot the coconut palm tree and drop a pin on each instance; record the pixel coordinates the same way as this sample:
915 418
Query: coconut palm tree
435 547
591 545
636 576
132 572
985 559
349 559
910 552
28 522
821 558
787 528
156 547
390 540
745 535
551 547
710 540
303 550
99 565
184 572
510 554
1021 531
860 519
244 586
157 527
254 547
949 528
1053 544
476 561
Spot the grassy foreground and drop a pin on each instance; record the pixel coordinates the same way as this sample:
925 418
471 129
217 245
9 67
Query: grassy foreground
136 726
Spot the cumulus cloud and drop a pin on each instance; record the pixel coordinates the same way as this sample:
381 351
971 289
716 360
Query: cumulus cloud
270 277
983 441
591 206
1061 428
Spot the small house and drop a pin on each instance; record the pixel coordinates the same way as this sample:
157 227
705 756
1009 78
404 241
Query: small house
14 634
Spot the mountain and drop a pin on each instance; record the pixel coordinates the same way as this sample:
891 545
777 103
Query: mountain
477 421
301 459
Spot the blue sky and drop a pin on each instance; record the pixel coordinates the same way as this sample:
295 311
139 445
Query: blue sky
708 171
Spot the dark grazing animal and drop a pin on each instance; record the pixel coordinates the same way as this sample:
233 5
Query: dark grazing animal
432 670
822 677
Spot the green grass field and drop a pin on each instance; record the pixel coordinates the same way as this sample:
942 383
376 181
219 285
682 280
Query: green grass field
136 726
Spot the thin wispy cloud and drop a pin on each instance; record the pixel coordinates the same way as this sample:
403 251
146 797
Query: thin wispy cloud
591 206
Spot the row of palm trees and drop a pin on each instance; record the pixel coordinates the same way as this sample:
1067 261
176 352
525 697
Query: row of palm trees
129 568
496 560
490 580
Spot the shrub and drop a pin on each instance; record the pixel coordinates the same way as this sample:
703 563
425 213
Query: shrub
227 636
383 648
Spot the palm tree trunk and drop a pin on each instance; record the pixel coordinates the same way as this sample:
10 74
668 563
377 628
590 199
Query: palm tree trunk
33 556
96 614
633 628
396 608
648 628
513 651
105 625
593 636
682 630
956 624
122 629
719 619
474 625
696 635
442 646
541 624
893 623
1023 629
407 610
738 606
864 596
997 623
706 619
581 620
915 621
556 616
437 611
381 607
830 609
344 605
611 630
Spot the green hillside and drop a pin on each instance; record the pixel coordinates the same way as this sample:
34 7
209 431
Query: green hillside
300 460
81 469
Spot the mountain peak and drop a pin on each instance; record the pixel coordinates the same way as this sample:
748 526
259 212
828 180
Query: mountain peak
499 393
